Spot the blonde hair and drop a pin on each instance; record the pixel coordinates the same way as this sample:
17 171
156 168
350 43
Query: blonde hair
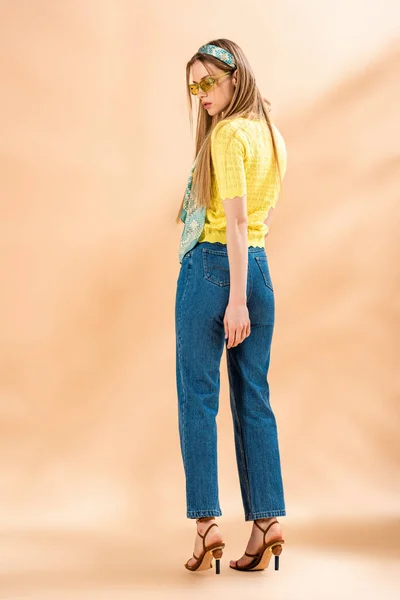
247 102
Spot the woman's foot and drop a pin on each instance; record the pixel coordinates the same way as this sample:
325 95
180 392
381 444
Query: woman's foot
213 536
255 542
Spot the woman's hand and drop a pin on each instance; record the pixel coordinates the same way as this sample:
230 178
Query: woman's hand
236 323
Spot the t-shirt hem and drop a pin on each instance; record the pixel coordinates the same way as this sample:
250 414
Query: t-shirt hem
220 236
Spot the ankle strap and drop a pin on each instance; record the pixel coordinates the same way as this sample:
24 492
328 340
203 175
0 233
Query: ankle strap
265 530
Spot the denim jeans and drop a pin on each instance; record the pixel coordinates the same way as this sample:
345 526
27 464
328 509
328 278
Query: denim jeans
202 296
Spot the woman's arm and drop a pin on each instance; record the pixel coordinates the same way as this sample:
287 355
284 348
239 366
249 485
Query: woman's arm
237 245
236 319
228 152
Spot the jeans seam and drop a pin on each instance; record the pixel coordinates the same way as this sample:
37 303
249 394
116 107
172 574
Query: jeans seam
251 283
204 512
279 512
183 416
268 285
242 448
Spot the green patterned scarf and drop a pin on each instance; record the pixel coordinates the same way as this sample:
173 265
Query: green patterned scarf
193 216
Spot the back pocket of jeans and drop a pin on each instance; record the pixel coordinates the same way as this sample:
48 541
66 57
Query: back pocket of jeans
216 267
262 262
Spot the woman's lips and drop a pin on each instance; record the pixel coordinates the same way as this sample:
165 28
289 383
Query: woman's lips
207 104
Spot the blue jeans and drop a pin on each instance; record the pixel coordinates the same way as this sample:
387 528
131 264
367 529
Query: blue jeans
202 296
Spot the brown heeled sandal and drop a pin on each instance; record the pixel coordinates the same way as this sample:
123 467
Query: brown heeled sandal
261 559
204 561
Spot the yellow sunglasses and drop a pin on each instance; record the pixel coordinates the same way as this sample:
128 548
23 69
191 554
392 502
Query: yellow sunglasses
206 84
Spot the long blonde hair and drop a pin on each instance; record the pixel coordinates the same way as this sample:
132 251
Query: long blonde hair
247 102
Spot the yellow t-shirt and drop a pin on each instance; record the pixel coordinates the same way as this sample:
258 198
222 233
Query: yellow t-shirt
242 164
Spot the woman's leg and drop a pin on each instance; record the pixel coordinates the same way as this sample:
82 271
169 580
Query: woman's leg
255 428
199 346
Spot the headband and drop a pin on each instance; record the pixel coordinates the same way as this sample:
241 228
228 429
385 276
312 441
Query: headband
219 53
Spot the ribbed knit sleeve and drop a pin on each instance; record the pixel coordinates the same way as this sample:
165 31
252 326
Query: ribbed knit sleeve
228 153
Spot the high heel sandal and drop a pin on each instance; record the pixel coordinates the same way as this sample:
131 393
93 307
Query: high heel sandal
262 557
204 561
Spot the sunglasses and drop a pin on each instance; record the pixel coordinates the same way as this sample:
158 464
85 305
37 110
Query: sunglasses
205 84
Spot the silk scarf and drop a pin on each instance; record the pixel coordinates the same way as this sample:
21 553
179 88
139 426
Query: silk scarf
193 217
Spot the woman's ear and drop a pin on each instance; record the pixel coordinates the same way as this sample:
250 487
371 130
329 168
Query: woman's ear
235 77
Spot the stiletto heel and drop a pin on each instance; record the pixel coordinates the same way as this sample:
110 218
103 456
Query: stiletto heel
204 561
277 550
262 557
217 554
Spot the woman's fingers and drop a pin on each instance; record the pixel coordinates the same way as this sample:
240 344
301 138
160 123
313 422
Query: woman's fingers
231 338
236 334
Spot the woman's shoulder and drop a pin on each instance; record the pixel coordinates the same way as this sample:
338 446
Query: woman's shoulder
245 131
226 129
228 125
245 124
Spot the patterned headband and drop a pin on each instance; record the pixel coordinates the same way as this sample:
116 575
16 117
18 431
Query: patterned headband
219 53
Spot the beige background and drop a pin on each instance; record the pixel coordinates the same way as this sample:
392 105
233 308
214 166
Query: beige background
95 151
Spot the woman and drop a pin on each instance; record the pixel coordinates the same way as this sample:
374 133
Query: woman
225 295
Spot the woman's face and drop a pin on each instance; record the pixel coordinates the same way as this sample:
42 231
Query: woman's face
220 96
